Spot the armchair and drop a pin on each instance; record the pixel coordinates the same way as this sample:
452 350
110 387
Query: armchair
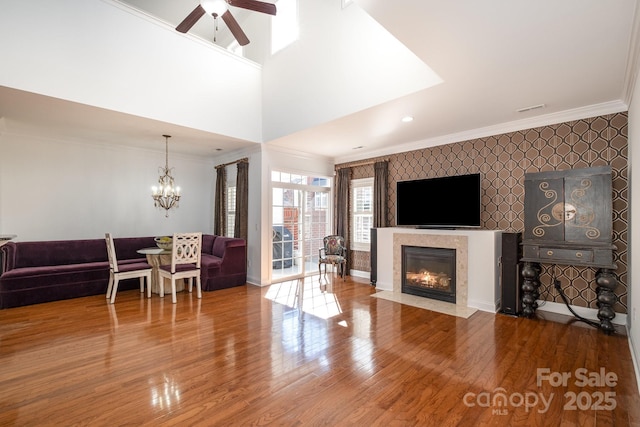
333 252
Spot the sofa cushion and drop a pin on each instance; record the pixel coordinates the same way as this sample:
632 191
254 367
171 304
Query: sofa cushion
210 262
124 267
34 277
207 243
60 252
219 246
127 247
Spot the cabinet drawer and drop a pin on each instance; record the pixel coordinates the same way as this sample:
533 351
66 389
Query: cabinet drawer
576 255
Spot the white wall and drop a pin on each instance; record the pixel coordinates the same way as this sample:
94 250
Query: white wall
51 189
96 53
633 309
364 66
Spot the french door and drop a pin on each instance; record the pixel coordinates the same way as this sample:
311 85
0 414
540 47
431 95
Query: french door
300 217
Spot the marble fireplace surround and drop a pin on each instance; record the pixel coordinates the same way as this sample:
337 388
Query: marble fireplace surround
477 265
459 243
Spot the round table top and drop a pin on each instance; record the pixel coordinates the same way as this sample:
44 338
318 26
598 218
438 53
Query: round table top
153 251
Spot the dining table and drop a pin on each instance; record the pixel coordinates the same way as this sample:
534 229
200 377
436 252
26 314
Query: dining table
157 257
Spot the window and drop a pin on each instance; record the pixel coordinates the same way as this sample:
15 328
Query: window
235 48
321 200
361 213
231 211
284 26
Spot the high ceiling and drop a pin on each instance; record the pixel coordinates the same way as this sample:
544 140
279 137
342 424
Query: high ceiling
575 57
495 58
173 12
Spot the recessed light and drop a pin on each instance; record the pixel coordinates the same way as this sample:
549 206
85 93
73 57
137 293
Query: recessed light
407 119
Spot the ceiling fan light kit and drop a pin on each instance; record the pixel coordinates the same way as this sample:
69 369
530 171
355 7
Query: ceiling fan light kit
221 8
214 7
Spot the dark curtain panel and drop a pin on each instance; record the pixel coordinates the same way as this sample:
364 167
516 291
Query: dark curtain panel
242 201
343 182
220 209
380 184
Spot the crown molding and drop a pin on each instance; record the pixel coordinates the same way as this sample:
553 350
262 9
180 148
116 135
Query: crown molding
580 113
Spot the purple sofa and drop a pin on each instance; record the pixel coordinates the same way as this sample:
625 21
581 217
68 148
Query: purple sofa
37 272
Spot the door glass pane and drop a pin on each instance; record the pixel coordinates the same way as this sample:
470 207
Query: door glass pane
300 219
317 226
286 233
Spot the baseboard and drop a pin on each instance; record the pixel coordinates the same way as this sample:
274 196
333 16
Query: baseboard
482 306
634 358
587 313
249 282
360 273
255 282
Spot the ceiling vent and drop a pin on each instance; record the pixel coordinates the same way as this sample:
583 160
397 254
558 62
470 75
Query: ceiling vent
533 107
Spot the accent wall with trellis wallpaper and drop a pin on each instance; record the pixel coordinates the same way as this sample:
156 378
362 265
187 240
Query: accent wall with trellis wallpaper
502 161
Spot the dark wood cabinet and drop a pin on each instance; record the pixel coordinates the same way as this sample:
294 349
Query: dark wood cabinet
568 220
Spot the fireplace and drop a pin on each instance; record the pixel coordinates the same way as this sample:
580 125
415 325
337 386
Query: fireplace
429 272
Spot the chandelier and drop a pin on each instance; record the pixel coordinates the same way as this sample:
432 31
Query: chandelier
166 195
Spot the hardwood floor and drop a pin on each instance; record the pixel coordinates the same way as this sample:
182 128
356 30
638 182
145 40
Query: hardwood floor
248 356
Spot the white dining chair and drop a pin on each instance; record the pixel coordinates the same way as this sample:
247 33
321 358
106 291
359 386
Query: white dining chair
185 263
119 272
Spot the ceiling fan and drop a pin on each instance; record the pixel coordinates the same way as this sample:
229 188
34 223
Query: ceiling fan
220 8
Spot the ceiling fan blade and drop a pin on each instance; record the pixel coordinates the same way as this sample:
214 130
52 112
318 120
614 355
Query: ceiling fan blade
235 29
255 5
191 19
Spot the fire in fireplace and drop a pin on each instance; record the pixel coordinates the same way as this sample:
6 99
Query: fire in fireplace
429 272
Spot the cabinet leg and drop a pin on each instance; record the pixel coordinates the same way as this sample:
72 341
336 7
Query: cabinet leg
530 285
606 283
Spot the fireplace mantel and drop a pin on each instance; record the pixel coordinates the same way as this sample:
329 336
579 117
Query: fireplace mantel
477 253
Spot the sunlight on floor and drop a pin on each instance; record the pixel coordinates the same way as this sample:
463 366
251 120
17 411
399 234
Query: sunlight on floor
309 294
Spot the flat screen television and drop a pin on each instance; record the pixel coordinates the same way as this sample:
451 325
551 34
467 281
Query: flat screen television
446 202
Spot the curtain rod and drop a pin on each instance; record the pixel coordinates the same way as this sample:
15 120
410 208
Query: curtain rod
244 159
369 162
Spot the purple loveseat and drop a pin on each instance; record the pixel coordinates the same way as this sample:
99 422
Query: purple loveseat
36 272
